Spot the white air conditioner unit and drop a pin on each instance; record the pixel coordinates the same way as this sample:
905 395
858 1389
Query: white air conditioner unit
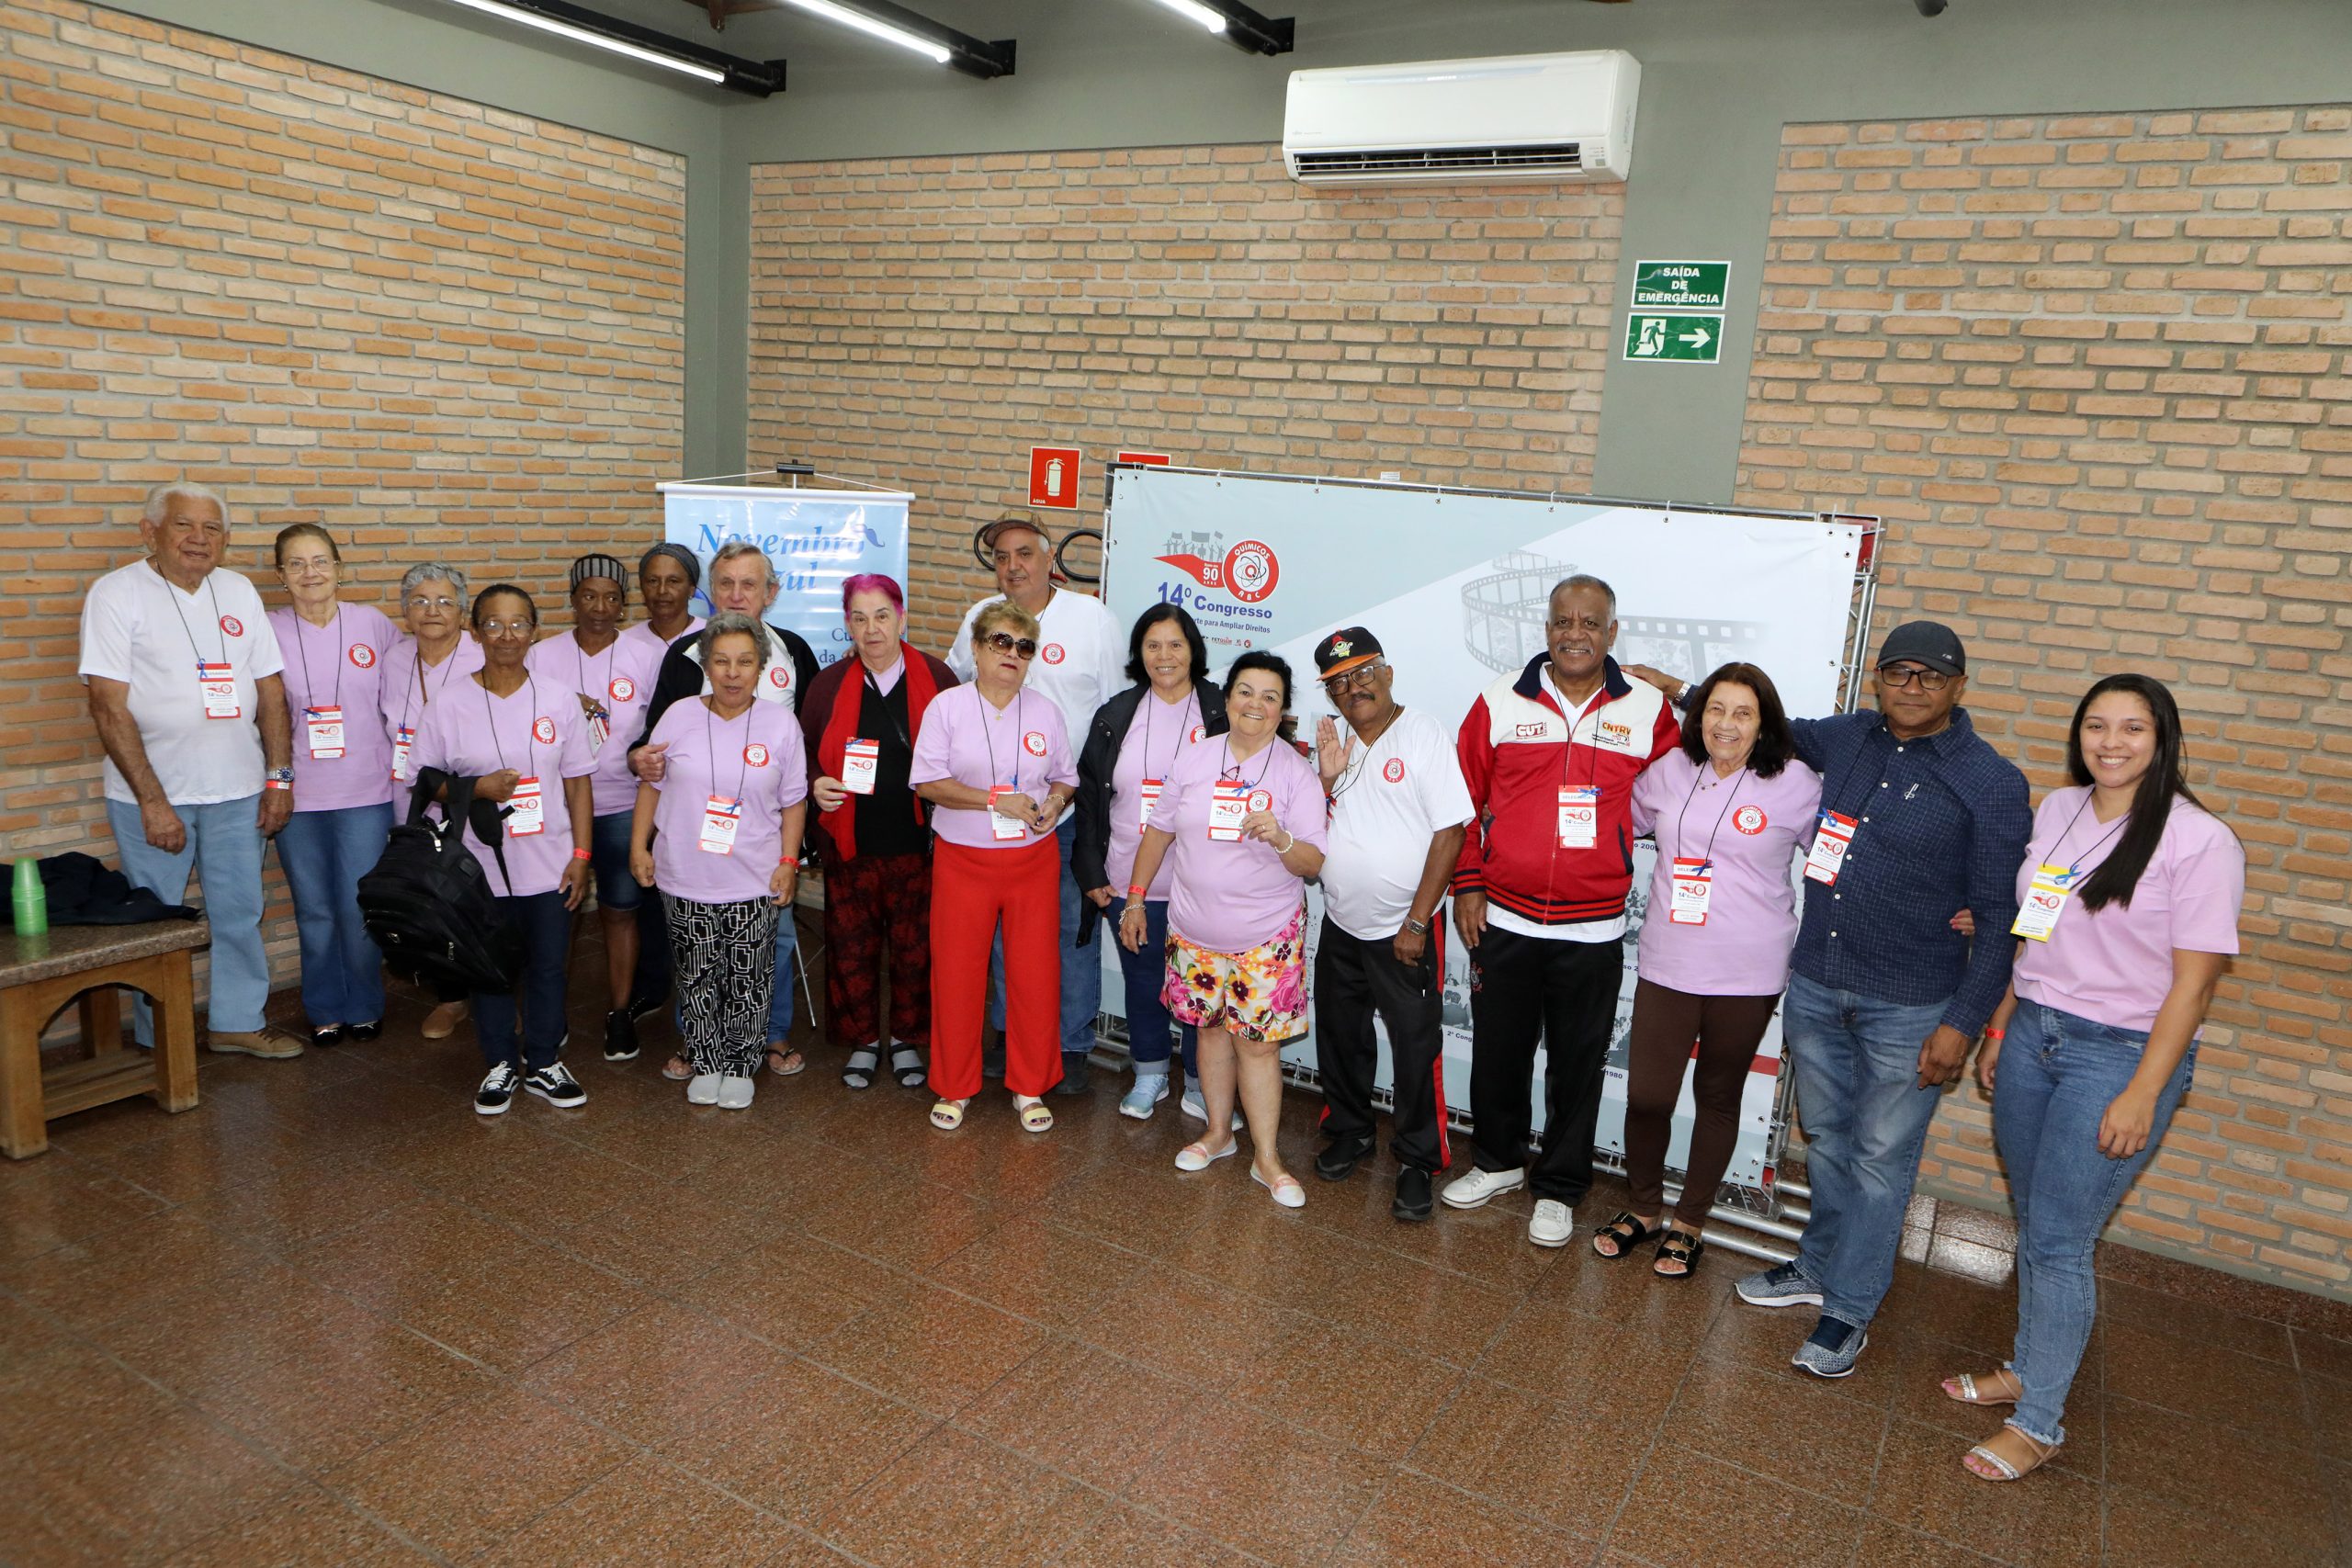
1516 118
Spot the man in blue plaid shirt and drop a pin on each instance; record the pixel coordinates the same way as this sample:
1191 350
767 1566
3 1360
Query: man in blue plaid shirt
1920 818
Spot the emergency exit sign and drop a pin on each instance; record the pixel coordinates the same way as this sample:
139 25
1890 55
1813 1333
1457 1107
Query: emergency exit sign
1691 340
1680 285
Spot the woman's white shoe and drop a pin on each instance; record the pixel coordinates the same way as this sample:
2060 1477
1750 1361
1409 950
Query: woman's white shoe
1284 1188
1198 1156
703 1088
735 1094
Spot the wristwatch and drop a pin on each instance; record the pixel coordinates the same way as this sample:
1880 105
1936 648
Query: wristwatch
1418 928
281 776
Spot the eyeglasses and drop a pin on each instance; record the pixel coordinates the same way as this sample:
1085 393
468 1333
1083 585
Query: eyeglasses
1910 674
1005 642
307 568
508 629
1357 678
419 602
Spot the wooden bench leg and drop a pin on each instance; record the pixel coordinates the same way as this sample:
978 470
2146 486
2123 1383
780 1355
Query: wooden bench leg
175 1011
102 1020
24 1130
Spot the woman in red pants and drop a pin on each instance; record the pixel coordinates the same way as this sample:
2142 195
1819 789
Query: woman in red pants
994 762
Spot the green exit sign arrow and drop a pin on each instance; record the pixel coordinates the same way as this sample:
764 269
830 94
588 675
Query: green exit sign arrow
1680 285
1691 340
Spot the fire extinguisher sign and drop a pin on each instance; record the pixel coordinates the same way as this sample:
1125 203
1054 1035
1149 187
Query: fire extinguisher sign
1053 477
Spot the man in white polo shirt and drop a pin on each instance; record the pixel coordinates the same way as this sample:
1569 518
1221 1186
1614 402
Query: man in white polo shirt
1398 812
183 676
1081 659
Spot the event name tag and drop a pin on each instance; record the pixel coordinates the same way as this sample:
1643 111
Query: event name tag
1006 828
325 729
1830 842
1579 815
1146 796
530 815
1693 882
860 761
2045 900
218 682
600 726
1228 805
721 814
402 738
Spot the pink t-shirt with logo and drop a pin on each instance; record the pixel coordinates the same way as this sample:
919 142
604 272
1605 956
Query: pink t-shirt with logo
409 693
337 671
619 681
1750 831
1160 733
1230 895
540 733
2113 965
756 759
966 738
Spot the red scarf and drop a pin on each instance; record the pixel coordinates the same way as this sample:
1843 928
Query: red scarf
840 729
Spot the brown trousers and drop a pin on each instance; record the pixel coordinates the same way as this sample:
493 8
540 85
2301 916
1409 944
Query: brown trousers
1665 1022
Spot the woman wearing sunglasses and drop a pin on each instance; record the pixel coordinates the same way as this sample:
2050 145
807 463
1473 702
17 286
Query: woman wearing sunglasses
1242 822
994 762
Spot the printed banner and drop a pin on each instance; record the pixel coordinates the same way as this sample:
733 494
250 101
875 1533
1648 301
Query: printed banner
1455 586
815 539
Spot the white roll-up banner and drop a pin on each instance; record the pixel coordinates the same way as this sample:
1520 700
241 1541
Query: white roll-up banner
815 539
1455 584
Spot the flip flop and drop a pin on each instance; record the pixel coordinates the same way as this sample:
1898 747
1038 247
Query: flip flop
784 1061
676 1071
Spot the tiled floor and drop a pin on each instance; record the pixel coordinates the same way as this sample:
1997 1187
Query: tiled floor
331 1316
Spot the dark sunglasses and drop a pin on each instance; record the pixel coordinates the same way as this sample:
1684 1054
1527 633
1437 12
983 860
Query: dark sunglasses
1005 642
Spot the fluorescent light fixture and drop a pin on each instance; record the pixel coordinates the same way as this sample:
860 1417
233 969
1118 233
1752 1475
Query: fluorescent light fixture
875 28
547 24
1192 10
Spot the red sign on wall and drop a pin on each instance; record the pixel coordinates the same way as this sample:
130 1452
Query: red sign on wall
1053 477
1157 459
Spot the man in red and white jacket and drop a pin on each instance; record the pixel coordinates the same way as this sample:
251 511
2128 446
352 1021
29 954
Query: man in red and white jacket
1539 897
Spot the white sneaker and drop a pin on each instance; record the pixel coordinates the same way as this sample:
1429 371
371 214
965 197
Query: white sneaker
735 1094
703 1088
1191 1106
1474 1187
1554 1223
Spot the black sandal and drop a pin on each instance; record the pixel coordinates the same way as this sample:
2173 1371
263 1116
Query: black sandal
905 1062
1627 1232
859 1073
1680 1247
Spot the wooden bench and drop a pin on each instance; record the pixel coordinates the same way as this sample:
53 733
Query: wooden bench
40 974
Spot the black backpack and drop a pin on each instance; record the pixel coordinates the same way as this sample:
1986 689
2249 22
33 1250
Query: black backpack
428 903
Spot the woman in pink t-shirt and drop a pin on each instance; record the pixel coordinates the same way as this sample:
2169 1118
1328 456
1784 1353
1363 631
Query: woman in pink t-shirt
993 761
1242 822
2128 912
419 668
729 810
342 781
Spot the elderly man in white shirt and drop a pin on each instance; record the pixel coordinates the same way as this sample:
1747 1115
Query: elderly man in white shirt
182 669
1080 662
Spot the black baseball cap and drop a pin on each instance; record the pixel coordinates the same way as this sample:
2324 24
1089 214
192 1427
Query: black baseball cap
1345 650
1930 643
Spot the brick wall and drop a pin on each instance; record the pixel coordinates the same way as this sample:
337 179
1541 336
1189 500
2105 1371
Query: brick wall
2092 370
439 328
924 322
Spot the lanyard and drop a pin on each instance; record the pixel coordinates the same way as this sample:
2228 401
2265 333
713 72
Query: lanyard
1232 770
2068 830
580 667
449 667
882 698
190 631
1709 857
1350 776
1191 703
743 764
1020 707
301 651
532 734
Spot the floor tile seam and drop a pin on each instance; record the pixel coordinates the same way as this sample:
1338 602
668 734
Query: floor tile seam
1508 1506
1715 1455
345 1500
1657 1432
639 1450
1162 1516
1280 1305
2234 1521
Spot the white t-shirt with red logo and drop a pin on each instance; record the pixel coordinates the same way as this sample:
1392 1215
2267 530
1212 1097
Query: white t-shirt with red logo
139 629
1394 798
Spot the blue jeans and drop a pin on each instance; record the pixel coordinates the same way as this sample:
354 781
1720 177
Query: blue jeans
224 848
1146 973
2056 1075
546 926
1082 966
1857 1065
787 941
325 854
